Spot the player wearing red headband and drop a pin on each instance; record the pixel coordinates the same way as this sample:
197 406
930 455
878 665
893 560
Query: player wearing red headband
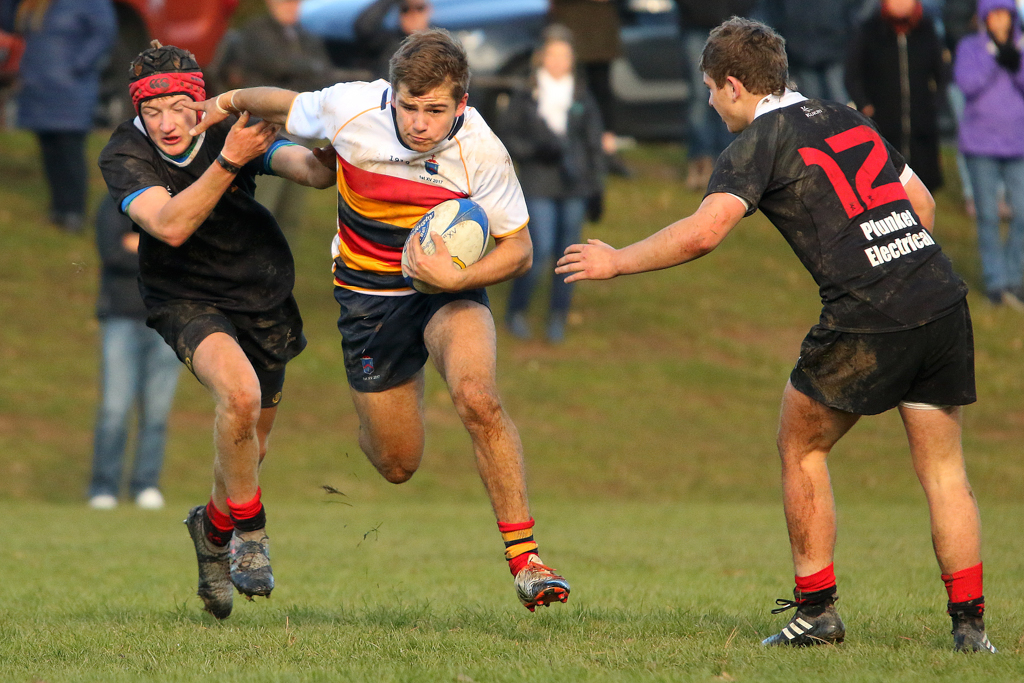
216 275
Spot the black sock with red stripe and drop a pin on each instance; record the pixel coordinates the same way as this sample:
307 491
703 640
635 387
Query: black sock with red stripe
248 516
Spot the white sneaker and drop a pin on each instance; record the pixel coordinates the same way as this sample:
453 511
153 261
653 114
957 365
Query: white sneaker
103 501
150 499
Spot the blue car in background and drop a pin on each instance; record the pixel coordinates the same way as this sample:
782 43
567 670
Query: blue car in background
499 35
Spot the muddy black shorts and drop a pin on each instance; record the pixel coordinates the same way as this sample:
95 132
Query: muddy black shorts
382 336
868 374
269 339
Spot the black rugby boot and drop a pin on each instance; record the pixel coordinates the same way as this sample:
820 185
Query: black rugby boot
816 621
969 626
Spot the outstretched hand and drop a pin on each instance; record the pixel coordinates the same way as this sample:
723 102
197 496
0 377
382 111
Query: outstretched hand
211 114
244 144
435 269
591 261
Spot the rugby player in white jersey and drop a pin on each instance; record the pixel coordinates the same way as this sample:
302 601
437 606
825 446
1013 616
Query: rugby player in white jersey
402 148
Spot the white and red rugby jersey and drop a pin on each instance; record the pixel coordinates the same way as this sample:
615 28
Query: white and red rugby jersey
384 187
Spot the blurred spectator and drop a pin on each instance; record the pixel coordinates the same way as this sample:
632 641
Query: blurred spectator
553 132
816 35
380 42
273 49
66 47
895 74
11 48
988 72
707 135
138 369
959 20
595 26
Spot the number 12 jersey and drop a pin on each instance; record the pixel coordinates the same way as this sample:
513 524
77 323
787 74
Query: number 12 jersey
833 187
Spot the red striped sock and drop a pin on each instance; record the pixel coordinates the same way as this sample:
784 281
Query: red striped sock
964 585
519 543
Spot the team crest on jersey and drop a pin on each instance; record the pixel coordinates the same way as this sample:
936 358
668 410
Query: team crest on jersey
367 365
432 166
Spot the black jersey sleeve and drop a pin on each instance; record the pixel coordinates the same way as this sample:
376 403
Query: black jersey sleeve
898 162
129 164
745 167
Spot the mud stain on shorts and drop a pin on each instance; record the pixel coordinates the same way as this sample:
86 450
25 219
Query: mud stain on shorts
843 372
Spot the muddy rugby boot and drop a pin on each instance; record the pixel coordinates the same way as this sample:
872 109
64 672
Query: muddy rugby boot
214 572
969 627
250 563
816 621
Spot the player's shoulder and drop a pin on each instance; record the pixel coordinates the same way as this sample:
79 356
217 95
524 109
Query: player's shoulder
358 95
476 138
808 122
473 124
128 138
822 113
342 103
128 130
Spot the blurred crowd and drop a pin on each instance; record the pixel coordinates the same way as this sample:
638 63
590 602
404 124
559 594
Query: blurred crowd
925 71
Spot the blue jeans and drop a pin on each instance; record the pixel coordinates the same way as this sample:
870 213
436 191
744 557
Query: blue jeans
956 105
139 369
554 225
708 135
1002 261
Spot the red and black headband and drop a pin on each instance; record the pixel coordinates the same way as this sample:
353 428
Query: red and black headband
189 83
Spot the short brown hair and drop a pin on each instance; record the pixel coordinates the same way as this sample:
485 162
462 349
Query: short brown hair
428 59
749 51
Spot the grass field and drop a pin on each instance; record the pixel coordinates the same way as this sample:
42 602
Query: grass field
650 448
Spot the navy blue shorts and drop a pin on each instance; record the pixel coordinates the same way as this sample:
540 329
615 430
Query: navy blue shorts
382 336
868 374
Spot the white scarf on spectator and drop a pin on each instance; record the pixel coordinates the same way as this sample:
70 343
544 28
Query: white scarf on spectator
554 97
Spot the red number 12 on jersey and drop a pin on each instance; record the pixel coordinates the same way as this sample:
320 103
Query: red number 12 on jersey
865 177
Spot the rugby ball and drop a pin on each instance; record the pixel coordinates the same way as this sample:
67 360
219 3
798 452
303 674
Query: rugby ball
462 224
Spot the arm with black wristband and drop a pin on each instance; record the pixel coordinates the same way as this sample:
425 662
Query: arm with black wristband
228 166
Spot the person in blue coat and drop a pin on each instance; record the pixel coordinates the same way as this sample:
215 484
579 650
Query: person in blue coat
67 43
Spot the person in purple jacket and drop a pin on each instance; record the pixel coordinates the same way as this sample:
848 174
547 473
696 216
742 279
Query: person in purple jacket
988 71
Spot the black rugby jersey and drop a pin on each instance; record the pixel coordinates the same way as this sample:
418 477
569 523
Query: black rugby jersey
831 185
238 259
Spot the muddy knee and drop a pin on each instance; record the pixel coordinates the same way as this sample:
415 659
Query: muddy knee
478 406
241 409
